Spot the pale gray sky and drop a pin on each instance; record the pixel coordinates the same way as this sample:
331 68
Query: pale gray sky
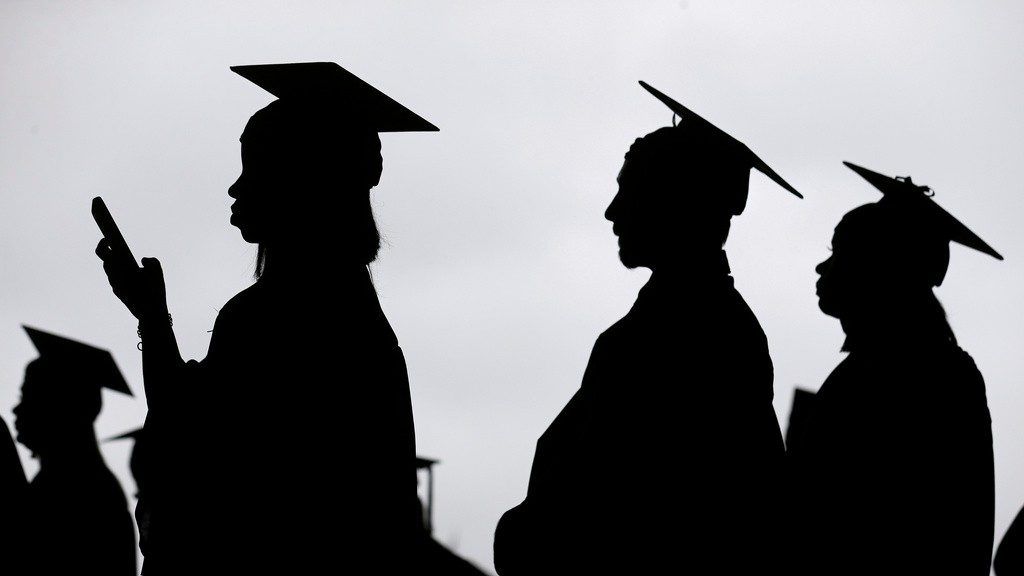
500 270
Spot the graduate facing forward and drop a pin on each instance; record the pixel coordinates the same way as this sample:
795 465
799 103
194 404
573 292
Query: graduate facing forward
290 447
894 465
667 459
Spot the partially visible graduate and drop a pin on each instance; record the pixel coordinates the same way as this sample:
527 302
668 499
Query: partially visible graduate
13 494
1009 560
74 518
303 366
138 470
894 466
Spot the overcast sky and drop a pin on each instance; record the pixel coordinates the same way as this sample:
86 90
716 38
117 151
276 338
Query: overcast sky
500 270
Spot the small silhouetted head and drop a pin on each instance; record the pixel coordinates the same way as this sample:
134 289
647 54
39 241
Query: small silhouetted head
61 391
890 254
678 189
310 158
878 255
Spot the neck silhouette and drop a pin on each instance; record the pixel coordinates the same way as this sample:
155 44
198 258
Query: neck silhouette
897 323
75 447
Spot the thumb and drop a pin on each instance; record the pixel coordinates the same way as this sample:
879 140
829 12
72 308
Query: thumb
152 267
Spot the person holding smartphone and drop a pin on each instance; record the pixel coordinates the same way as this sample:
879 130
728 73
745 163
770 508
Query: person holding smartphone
290 448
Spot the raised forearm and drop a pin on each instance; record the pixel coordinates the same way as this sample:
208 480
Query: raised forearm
161 360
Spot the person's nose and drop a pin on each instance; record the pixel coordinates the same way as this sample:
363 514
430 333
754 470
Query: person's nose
612 211
823 265
235 190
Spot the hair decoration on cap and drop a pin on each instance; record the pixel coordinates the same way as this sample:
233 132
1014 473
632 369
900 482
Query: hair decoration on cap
903 188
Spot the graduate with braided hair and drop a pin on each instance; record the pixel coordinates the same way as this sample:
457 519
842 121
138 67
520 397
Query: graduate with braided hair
895 462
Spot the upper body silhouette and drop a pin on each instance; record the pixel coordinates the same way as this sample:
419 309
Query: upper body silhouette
75 517
895 464
667 457
290 447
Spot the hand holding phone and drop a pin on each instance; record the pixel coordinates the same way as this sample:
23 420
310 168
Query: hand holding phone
118 247
141 289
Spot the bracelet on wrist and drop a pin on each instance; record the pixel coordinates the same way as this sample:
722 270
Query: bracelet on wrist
170 322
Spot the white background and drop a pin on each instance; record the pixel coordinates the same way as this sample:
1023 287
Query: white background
499 269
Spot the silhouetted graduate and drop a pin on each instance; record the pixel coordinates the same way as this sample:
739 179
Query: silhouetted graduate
290 448
895 472
1009 560
13 497
434 557
667 458
138 468
76 518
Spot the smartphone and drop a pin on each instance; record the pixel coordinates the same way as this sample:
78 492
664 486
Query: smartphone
110 231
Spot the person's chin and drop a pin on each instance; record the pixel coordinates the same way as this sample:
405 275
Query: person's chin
629 260
826 307
247 232
26 442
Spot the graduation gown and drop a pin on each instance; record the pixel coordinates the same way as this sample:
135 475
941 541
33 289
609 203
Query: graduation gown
668 456
77 521
290 447
894 474
14 492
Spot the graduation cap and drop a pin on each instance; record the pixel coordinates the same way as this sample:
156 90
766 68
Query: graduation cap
129 435
87 364
934 217
134 462
690 120
328 86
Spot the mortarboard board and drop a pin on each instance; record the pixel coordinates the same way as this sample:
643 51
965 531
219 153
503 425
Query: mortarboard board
129 435
88 363
689 119
328 85
425 463
943 223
